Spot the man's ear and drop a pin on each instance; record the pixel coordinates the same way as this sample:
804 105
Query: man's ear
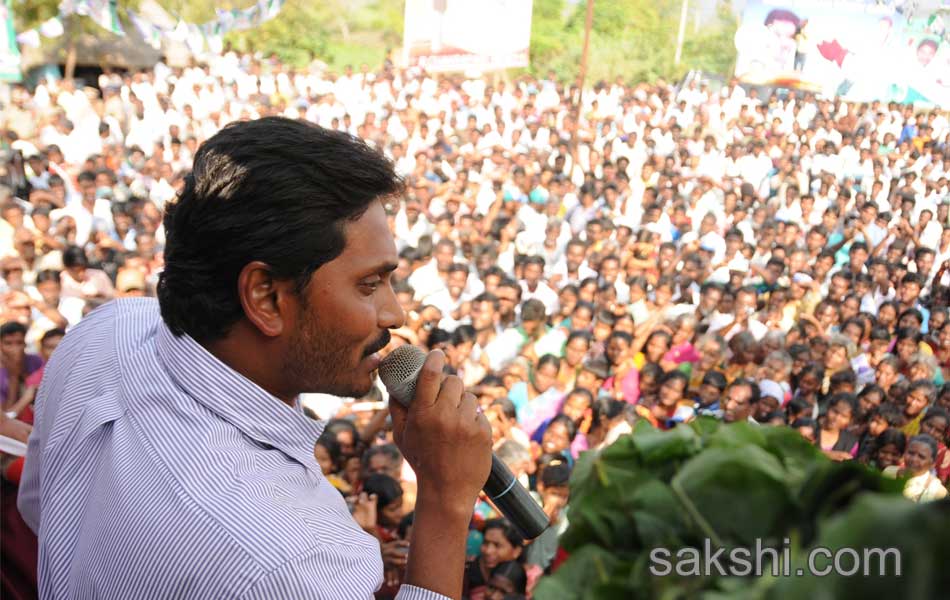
268 303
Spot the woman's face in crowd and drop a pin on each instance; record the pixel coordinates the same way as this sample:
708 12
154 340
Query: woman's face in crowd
671 392
545 377
836 358
617 350
915 402
555 439
391 514
657 346
581 319
888 455
575 407
497 549
575 351
352 469
936 427
807 432
906 348
918 458
838 417
809 384
324 460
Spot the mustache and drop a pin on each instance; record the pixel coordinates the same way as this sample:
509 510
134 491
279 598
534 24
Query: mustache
381 343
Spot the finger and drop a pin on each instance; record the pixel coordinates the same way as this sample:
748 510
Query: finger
450 393
398 413
467 395
429 381
468 407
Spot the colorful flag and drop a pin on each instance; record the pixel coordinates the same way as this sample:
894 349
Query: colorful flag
149 32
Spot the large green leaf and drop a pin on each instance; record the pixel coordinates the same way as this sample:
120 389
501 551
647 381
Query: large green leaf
735 494
919 534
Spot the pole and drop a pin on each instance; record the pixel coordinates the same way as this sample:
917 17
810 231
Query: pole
72 32
588 23
682 33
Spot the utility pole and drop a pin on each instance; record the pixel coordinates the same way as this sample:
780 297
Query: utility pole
588 23
682 33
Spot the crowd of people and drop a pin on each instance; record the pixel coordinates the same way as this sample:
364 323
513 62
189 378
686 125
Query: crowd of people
635 252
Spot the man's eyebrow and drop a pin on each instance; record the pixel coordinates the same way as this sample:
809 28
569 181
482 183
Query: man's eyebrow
382 268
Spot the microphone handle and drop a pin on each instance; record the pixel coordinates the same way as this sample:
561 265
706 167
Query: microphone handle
514 501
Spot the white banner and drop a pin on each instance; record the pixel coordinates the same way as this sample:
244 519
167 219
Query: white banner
462 35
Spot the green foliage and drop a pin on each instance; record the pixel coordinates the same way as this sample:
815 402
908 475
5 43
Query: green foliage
633 39
735 485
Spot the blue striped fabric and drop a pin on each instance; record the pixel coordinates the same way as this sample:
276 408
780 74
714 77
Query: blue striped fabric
156 471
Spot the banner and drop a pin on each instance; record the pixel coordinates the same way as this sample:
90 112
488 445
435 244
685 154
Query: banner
9 52
860 51
460 35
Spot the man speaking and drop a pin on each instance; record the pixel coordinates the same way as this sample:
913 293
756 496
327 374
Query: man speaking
170 458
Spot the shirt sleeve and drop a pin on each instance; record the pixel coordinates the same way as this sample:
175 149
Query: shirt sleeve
411 592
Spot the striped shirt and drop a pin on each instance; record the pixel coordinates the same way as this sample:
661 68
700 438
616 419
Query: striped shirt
156 471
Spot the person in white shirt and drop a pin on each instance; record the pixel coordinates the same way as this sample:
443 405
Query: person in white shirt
533 287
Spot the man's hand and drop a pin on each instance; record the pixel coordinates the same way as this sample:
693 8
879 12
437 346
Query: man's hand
448 444
365 511
16 429
443 436
395 554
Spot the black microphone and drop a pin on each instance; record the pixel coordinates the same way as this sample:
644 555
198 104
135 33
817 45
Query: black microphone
399 372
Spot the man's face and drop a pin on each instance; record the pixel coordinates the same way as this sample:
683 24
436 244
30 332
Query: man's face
532 274
346 312
483 315
738 405
574 256
456 283
909 292
925 263
443 255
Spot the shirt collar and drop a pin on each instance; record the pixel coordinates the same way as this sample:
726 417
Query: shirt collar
238 400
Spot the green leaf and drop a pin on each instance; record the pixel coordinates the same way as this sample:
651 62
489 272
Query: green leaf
919 533
581 575
735 494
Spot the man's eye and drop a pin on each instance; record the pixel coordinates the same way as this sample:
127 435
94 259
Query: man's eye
372 285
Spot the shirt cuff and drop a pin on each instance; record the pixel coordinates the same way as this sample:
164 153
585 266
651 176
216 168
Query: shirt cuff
411 592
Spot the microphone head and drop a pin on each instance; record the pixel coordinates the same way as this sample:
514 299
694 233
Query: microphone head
399 371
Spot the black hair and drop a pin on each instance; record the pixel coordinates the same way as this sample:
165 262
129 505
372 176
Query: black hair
674 375
336 426
511 534
54 332
74 256
890 413
388 450
462 334
890 436
568 424
513 572
753 388
47 275
12 328
386 488
273 190
715 378
328 441
507 407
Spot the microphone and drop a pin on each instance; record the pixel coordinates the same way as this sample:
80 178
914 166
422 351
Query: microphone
399 372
